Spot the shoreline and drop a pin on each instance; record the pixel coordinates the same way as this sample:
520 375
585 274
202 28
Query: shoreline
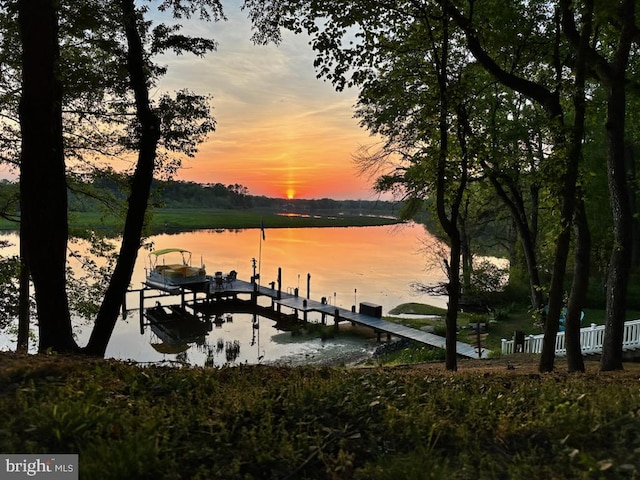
187 219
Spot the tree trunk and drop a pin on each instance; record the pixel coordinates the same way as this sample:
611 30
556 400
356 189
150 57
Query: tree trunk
448 223
581 269
140 188
568 198
23 300
556 291
527 236
467 257
578 291
620 262
453 288
451 322
550 101
633 202
43 190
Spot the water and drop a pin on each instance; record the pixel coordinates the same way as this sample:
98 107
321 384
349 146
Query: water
346 265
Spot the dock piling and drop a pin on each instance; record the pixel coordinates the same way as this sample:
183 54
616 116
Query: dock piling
367 314
279 283
141 311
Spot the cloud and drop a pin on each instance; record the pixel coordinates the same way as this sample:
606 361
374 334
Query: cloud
275 119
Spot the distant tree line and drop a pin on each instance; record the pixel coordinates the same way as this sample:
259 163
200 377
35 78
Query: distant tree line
181 194
176 194
92 196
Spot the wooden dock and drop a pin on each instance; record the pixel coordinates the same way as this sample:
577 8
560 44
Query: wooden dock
339 314
377 324
305 305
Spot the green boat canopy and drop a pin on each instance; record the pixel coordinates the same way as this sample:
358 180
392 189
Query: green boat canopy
164 251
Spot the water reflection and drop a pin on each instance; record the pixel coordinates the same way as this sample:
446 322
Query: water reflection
176 328
344 265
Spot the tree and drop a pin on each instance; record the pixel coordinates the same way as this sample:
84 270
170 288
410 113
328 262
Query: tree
412 77
15 303
140 186
513 165
44 215
9 270
349 62
614 80
43 162
610 68
583 238
428 147
549 99
612 74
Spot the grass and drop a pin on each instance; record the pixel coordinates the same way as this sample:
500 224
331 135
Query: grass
168 220
434 318
238 219
484 422
417 309
501 323
412 354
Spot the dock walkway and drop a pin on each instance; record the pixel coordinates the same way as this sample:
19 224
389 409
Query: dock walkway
304 305
377 324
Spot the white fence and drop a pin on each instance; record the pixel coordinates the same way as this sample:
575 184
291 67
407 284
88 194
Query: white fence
591 340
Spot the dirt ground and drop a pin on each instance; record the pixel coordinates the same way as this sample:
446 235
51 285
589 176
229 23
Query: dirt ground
516 364
527 364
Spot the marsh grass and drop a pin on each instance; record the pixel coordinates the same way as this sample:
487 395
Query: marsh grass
486 421
184 219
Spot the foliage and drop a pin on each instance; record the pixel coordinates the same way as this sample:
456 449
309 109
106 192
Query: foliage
9 201
105 194
101 65
99 128
417 309
411 355
487 280
9 273
88 275
125 421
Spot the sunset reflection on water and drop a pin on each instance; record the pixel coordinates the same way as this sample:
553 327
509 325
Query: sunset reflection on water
379 262
346 265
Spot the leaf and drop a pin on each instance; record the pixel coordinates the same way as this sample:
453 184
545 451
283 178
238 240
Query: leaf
605 465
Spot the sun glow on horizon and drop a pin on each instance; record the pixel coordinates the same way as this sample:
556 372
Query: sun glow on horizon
280 132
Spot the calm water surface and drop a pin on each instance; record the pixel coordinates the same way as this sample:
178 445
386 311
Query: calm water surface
346 265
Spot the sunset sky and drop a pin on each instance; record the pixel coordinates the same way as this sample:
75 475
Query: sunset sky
280 131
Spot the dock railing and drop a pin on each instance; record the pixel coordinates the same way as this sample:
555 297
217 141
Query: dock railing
591 340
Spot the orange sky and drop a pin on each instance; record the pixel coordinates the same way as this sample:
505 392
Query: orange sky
280 131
